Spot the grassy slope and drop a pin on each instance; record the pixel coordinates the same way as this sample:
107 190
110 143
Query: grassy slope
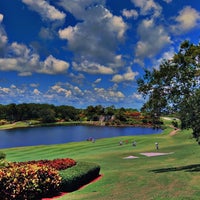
172 177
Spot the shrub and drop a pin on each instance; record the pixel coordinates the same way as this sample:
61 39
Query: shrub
58 164
79 175
29 181
2 155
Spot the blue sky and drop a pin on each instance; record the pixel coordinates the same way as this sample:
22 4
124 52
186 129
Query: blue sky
88 52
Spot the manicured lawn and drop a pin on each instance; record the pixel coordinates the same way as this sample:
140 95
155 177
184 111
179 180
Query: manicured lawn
175 176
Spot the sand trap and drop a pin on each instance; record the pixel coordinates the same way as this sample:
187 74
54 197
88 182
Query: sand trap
151 154
130 157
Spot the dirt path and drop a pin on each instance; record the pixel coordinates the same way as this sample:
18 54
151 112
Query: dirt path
174 132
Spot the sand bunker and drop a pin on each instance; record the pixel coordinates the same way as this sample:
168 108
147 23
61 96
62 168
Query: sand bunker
151 154
130 157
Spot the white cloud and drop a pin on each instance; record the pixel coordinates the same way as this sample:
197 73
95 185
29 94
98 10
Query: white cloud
79 8
12 92
46 33
168 1
97 80
1 17
4 90
148 7
153 38
34 85
92 68
130 13
187 19
75 94
3 36
168 55
97 37
59 89
128 76
22 59
54 66
36 92
137 96
108 95
47 11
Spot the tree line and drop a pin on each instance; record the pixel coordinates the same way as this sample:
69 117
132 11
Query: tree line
48 113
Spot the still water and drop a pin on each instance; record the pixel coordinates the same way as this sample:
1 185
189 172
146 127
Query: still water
65 134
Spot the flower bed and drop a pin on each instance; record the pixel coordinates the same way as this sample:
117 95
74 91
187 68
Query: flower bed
28 181
44 178
58 164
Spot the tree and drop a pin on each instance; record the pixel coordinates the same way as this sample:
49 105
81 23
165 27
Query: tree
190 115
174 87
47 115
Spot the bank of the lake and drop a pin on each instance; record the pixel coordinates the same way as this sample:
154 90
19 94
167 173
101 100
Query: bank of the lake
34 123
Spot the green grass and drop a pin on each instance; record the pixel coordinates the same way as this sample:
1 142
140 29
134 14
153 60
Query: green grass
174 177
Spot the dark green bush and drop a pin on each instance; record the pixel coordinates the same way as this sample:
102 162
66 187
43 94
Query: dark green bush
79 175
29 181
2 155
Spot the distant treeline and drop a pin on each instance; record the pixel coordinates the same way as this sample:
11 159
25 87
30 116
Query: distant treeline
48 113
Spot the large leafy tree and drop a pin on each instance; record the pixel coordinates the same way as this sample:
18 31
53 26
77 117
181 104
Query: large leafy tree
174 87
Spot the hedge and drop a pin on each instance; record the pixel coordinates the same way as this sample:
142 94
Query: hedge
78 175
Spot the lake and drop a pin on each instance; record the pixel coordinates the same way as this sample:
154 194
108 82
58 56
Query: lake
64 134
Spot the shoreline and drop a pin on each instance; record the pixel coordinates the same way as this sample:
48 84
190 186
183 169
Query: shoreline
20 124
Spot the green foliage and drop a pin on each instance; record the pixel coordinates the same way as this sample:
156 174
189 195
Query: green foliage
28 181
75 177
173 87
2 155
190 114
175 123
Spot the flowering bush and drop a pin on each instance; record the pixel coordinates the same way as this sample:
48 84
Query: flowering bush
28 181
58 164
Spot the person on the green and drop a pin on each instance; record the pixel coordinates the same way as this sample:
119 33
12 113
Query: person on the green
157 147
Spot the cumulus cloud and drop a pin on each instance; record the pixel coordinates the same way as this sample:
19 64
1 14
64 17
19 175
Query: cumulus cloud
3 36
22 59
79 8
96 37
76 94
148 7
153 38
97 80
36 92
130 13
46 33
92 67
4 90
11 91
53 66
109 95
19 58
58 89
187 19
128 76
168 55
47 11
